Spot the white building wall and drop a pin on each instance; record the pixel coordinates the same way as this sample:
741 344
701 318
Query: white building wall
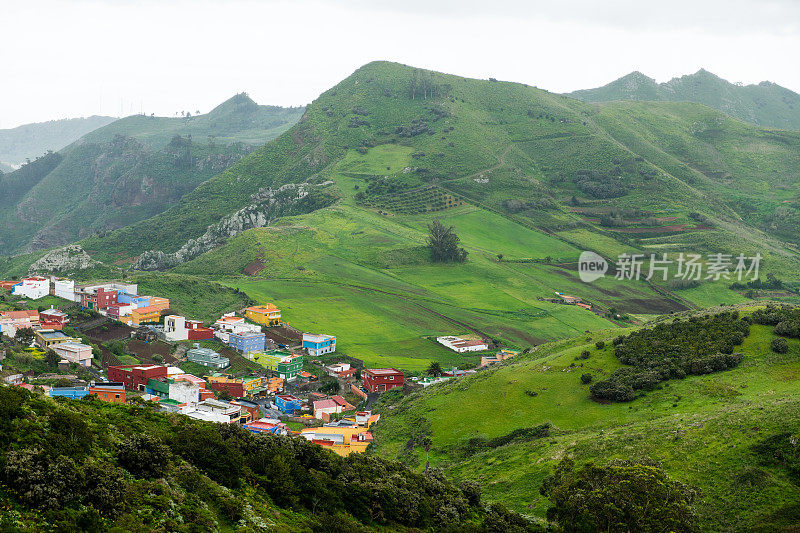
33 289
175 328
65 288
184 392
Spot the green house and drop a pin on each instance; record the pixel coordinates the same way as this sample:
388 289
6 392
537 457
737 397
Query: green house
285 364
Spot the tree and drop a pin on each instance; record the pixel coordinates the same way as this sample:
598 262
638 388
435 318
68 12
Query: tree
144 456
426 442
499 257
51 358
63 382
618 497
224 395
25 336
444 244
586 378
158 358
434 369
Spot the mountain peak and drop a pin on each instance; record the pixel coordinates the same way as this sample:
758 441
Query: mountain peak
238 103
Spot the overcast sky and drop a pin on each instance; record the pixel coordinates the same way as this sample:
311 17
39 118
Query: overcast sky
62 59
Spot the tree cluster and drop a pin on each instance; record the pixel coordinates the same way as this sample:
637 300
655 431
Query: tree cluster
699 345
619 497
443 244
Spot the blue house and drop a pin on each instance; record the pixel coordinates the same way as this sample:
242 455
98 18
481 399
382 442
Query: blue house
319 344
132 299
73 393
247 342
288 403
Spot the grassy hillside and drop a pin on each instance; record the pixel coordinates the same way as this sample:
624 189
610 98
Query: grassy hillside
528 179
32 140
701 429
765 104
128 171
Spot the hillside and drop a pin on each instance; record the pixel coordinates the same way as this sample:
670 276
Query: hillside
711 431
765 104
528 179
32 140
88 465
128 171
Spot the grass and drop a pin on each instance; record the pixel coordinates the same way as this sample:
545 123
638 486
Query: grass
700 428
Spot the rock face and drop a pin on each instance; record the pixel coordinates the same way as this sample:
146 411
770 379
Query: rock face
267 205
68 258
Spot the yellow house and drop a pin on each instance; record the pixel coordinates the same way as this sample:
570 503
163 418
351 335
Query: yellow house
266 315
144 315
252 382
46 338
341 440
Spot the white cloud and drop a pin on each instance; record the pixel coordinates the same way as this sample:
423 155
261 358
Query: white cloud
77 58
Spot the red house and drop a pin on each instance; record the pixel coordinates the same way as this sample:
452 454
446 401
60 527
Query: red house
53 319
135 377
99 299
197 332
234 388
381 379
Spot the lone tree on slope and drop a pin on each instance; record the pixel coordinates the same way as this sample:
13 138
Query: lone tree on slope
443 243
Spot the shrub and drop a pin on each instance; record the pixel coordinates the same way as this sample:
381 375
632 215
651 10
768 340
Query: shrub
779 345
600 345
620 497
143 456
586 378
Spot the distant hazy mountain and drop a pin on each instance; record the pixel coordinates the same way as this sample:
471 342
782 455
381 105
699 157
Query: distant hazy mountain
32 140
128 170
765 104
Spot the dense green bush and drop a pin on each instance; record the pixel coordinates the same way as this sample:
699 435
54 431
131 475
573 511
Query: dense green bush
619 497
699 345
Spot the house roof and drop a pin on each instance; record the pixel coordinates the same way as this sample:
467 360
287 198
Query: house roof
317 337
148 309
267 308
325 404
73 346
20 314
341 401
383 371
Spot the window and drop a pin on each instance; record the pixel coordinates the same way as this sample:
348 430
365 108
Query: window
116 396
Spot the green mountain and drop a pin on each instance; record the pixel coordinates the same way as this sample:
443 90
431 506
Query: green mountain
335 211
728 433
32 140
765 104
128 171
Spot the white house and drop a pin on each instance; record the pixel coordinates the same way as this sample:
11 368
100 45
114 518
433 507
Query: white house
336 369
33 288
184 392
457 344
231 323
175 328
65 288
326 406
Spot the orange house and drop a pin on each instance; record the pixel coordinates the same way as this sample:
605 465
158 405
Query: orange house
266 315
143 315
109 392
156 301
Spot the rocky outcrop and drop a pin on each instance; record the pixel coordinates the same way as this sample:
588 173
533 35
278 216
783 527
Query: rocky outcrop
66 259
267 205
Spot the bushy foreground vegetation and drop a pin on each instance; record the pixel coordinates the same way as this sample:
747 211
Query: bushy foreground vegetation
674 350
90 466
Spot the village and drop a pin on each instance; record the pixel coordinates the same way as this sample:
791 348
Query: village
248 367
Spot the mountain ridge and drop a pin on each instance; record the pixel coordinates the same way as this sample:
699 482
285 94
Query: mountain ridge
765 103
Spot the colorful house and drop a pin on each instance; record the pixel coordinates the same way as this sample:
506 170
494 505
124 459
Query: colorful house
266 315
158 302
341 440
125 298
47 338
318 344
217 411
178 328
247 342
207 357
382 379
73 393
287 403
74 352
108 392
286 364
223 383
98 298
136 377
144 315
33 288
53 319
11 321
501 355
267 425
